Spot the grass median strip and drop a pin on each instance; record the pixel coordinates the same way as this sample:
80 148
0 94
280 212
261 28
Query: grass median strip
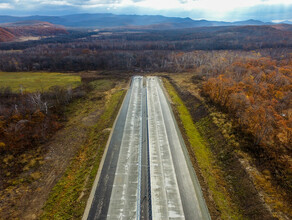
68 198
207 163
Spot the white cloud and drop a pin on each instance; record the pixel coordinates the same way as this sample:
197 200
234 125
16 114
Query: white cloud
213 6
6 6
56 3
205 9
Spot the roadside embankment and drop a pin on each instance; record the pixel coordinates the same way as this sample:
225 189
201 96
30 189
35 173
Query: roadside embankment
232 186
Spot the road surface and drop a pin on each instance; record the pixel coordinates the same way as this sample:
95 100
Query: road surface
146 172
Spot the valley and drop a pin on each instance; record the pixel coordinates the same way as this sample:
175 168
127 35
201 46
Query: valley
107 116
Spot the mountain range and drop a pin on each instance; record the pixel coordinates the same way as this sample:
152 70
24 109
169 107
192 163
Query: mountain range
107 20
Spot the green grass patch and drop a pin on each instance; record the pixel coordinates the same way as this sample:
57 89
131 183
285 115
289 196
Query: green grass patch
102 84
37 81
205 159
69 196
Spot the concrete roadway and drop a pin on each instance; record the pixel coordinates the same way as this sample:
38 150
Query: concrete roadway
166 200
127 187
125 196
178 194
99 200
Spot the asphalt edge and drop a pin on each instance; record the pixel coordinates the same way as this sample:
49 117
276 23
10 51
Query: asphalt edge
94 186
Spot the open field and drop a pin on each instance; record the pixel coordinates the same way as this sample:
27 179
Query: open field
37 81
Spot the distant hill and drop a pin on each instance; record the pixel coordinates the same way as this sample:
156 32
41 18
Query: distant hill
283 27
286 22
250 22
5 35
17 30
106 20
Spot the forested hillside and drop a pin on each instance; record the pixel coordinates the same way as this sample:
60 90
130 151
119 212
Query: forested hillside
257 93
18 31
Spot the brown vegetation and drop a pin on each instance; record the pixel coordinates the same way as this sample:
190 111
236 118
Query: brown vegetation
257 92
253 90
26 121
249 177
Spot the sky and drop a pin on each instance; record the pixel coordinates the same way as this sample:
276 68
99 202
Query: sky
223 10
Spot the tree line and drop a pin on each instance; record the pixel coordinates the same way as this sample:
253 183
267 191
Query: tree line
140 50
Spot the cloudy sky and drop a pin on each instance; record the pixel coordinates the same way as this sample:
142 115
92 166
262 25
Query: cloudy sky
228 10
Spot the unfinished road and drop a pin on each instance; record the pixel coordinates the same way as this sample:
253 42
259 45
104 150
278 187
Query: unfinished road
146 172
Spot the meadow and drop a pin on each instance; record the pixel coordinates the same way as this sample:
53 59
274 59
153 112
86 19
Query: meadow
37 81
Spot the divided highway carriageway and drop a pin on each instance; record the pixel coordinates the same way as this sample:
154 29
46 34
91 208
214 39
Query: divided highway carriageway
146 172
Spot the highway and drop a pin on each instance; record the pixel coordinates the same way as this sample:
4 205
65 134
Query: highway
146 172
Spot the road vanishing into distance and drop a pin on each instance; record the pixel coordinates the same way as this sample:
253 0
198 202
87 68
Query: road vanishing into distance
146 172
